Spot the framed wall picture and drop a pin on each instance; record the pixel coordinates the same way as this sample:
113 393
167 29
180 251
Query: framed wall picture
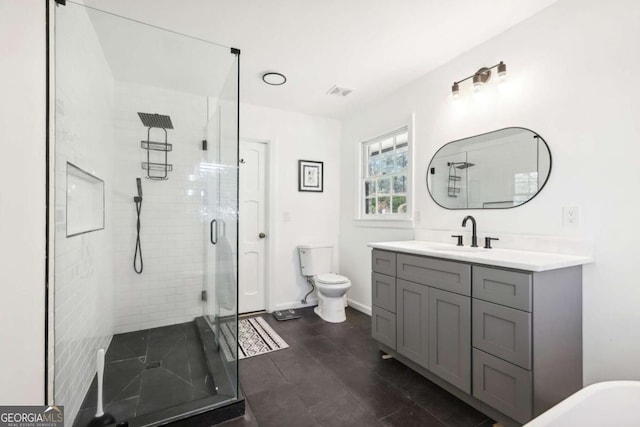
310 176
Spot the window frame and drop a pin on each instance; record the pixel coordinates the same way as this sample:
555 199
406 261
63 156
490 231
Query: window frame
363 177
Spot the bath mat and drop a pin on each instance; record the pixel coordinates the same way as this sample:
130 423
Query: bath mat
257 337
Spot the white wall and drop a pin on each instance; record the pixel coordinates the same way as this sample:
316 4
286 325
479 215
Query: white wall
84 279
312 217
22 198
572 70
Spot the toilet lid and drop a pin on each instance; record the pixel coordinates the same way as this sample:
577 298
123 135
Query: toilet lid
331 279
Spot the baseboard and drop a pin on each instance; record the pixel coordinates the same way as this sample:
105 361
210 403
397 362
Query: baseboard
360 307
295 304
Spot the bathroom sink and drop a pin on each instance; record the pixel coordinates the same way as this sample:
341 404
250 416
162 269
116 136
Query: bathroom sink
443 247
457 249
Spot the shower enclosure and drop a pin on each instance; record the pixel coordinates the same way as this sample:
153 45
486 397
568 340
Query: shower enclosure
144 200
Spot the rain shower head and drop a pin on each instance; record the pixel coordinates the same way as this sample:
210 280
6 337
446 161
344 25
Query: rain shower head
465 165
461 165
156 120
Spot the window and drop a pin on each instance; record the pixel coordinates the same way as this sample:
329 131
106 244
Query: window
385 170
525 187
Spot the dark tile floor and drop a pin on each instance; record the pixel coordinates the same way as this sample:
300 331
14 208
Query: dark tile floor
149 370
332 375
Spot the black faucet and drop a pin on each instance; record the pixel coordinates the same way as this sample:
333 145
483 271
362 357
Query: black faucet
474 237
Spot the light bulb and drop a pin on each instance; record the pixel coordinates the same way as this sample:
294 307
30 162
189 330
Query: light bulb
455 90
502 71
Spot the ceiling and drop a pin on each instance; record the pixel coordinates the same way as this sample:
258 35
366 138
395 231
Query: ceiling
371 46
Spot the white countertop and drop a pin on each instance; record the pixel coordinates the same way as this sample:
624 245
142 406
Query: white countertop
509 258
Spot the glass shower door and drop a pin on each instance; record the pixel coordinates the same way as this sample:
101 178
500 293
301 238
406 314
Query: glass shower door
220 169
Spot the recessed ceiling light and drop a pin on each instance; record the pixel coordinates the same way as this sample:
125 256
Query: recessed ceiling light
274 79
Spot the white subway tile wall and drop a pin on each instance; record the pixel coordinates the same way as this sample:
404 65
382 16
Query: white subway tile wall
84 283
172 217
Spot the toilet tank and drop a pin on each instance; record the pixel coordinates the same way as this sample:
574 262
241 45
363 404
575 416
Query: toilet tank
316 258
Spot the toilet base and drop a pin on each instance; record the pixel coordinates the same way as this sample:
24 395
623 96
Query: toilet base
331 309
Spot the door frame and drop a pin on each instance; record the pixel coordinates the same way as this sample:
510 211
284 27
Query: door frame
270 216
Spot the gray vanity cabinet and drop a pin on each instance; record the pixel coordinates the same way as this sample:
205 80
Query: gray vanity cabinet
449 337
412 336
507 342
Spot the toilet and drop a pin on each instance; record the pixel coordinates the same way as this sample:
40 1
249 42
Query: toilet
316 262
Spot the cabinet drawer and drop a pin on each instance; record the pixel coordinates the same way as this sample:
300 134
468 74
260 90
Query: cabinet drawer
503 332
450 337
383 262
384 291
383 326
502 385
510 288
446 275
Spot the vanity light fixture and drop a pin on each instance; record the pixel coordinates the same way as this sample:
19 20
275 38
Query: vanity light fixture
480 78
274 79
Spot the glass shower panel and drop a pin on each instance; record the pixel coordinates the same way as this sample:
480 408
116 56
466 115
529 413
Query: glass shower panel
220 166
133 105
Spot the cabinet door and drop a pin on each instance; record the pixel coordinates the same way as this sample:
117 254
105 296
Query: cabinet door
450 337
383 326
412 305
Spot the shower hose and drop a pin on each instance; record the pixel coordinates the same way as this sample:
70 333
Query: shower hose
138 253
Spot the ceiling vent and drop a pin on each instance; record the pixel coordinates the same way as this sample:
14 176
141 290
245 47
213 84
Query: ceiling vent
339 91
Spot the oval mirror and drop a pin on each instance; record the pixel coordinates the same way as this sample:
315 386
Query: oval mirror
496 170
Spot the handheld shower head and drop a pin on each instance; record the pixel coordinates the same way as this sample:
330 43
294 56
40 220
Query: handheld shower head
138 198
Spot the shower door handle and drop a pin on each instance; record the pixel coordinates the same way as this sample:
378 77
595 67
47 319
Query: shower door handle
213 224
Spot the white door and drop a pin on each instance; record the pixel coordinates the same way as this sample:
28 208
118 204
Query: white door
253 234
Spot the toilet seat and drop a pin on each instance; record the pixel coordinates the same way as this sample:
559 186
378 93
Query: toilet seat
331 279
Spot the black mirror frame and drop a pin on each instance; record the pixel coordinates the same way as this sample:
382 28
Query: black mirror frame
535 135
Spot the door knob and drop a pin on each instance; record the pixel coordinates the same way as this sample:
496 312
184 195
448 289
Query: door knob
262 235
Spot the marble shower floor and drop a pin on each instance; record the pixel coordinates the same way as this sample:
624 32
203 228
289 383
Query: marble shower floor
150 370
